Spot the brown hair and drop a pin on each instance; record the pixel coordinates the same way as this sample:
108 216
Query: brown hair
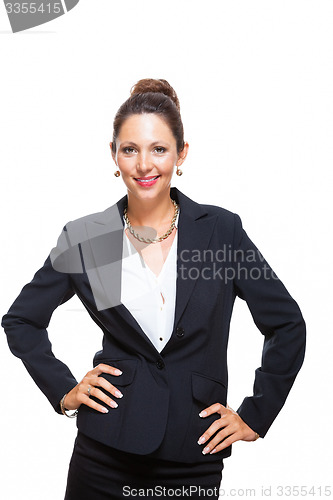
152 96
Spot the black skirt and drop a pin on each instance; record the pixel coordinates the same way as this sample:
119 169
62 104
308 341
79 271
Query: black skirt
99 472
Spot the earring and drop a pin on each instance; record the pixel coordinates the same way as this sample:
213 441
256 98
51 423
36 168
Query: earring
117 173
179 172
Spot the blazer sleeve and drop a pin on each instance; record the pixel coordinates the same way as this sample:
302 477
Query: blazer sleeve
280 320
26 323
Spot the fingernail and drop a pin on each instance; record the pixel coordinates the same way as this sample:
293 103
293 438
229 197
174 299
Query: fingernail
213 451
118 372
105 410
201 440
118 394
114 404
203 413
205 450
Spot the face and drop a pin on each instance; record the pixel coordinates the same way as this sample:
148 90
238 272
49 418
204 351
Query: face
146 155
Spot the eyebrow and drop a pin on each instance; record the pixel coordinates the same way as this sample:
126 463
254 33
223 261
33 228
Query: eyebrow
155 143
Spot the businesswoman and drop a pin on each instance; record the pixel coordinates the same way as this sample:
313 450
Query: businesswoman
159 274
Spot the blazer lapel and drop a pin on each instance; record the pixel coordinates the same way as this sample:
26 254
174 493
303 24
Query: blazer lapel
195 230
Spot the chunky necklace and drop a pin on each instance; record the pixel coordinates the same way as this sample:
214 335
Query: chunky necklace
154 240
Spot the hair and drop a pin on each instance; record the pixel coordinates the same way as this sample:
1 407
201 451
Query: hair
152 96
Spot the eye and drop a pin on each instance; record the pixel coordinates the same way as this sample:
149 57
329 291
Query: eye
160 149
128 150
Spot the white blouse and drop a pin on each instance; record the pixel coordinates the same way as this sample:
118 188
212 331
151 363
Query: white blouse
150 299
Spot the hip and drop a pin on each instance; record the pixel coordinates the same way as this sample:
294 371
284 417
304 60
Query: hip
99 472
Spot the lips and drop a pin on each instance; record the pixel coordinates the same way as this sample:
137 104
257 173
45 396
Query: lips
147 181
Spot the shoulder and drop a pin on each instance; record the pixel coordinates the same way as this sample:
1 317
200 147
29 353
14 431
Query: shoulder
223 215
200 209
228 223
65 256
221 212
81 221
90 225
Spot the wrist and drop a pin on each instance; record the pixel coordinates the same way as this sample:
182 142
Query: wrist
64 410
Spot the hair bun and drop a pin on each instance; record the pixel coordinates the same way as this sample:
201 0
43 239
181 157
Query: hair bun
156 86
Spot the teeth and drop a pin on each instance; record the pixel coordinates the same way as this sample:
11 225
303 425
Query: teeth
147 180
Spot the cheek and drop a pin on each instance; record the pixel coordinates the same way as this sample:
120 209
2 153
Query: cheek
126 164
166 163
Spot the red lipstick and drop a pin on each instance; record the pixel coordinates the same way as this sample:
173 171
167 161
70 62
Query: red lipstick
147 181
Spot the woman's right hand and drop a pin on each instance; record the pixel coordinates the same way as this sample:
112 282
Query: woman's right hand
88 386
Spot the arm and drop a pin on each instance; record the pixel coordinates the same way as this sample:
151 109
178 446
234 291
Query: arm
25 325
279 319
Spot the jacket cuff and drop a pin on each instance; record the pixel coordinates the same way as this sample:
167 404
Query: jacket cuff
57 398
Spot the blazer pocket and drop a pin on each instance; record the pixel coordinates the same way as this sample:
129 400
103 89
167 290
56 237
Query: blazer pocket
208 390
127 366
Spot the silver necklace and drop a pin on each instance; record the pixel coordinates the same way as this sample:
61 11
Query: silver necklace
154 240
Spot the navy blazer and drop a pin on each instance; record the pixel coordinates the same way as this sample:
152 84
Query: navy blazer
163 391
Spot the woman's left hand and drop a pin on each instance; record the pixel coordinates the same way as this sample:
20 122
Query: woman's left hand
233 428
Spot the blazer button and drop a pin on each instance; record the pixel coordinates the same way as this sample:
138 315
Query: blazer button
180 331
160 364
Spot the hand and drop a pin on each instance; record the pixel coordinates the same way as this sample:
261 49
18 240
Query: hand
233 428
88 386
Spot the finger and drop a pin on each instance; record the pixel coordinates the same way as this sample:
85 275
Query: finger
227 442
102 382
219 438
214 408
98 394
84 399
219 423
103 368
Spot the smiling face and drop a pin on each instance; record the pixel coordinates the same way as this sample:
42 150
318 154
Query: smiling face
146 155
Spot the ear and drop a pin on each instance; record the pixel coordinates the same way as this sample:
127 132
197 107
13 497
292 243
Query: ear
113 154
182 155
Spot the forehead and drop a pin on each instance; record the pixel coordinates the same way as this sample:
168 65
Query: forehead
145 127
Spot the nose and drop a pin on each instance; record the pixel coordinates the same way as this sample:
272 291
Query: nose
144 164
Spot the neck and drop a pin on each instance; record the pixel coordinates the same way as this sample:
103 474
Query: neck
150 212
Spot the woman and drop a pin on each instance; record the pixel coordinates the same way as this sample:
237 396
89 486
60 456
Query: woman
159 274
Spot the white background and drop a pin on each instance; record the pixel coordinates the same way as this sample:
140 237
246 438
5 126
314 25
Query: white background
255 82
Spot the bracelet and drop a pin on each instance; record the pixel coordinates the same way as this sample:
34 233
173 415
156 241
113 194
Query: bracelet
64 410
